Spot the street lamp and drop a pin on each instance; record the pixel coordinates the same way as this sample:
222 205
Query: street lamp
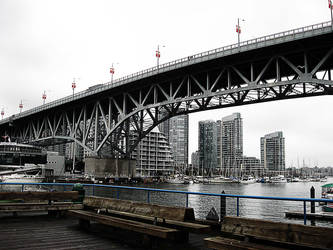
44 97
21 106
158 55
238 30
112 73
73 86
330 6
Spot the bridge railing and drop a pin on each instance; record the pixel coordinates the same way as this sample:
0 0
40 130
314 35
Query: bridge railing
93 191
215 53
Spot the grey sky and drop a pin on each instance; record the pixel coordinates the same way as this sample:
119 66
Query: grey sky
46 43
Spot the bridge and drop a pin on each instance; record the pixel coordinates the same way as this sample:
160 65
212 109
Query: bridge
111 119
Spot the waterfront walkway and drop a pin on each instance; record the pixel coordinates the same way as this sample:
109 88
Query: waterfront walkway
45 232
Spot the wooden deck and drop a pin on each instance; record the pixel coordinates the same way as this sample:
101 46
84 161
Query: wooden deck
40 231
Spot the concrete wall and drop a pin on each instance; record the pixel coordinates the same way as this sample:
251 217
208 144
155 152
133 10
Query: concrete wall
56 162
107 167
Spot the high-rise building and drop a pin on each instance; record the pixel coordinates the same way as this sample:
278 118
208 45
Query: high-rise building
252 166
176 131
232 144
153 155
207 146
272 150
195 160
219 144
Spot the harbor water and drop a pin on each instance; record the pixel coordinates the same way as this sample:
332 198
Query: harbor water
252 208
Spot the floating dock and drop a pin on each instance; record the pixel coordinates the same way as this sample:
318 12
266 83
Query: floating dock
327 216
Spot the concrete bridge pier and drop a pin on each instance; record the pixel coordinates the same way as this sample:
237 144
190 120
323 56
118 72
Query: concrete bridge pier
110 167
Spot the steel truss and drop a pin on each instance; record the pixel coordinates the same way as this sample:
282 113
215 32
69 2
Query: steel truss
115 122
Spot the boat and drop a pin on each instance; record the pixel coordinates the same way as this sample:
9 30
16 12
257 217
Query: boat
201 179
314 179
264 179
326 190
175 180
329 206
22 178
278 179
220 179
295 179
248 180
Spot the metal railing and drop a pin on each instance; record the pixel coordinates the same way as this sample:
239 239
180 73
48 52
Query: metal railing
186 193
280 37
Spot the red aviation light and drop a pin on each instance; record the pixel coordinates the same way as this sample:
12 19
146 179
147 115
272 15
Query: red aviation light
44 96
112 70
2 113
73 85
158 54
21 106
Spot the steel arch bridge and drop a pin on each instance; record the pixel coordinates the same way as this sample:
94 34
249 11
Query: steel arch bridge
111 119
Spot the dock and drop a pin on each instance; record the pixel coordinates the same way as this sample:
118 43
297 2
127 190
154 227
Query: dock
40 231
318 215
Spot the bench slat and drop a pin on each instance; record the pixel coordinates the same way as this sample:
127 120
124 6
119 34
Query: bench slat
36 195
232 244
279 232
157 231
186 226
166 212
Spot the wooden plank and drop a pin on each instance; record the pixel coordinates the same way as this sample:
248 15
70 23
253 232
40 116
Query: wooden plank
232 244
166 212
24 207
279 232
144 228
35 195
181 225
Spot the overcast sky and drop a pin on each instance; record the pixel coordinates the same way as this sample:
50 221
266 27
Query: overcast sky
44 44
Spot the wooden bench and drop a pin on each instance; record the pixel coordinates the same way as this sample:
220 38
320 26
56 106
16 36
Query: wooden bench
165 222
244 233
53 202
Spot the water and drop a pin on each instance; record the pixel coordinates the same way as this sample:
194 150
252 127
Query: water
252 208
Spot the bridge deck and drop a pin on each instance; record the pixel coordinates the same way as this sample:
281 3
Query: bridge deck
45 232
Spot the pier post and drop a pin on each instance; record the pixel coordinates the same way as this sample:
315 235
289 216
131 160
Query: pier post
222 206
312 196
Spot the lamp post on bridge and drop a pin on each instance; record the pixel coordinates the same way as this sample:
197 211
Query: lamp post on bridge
44 97
330 6
112 73
158 55
238 30
21 106
74 144
73 86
